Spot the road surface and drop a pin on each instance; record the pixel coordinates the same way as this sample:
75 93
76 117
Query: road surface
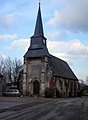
46 109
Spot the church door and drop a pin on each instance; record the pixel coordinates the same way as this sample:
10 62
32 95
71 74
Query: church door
36 87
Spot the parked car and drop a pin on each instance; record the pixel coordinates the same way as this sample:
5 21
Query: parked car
12 92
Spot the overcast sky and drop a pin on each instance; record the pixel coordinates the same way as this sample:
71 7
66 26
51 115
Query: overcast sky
65 24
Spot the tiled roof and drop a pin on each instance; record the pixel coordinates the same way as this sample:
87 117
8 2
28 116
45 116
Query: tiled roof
39 25
31 53
61 68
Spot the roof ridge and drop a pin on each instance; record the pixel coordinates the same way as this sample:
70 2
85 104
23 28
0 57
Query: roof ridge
58 58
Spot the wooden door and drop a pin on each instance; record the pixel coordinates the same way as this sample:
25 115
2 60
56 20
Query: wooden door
36 87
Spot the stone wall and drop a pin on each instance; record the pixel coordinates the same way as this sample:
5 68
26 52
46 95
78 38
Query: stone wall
35 69
38 70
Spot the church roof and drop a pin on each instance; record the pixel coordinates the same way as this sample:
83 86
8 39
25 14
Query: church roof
39 26
38 52
60 68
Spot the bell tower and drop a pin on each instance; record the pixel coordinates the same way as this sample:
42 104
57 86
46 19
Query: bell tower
38 43
35 61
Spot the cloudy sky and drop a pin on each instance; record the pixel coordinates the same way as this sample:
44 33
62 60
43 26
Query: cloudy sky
65 25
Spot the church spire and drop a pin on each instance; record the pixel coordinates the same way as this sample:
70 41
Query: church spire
39 27
38 47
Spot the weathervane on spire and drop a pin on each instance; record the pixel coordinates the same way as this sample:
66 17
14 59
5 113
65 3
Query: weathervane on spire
39 2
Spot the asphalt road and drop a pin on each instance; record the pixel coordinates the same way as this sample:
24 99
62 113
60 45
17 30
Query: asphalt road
45 109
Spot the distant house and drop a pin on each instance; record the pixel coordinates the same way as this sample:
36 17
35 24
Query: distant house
1 81
44 71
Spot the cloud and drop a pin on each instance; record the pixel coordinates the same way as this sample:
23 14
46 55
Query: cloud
73 16
69 50
8 21
15 13
78 48
56 35
20 43
7 37
2 56
11 6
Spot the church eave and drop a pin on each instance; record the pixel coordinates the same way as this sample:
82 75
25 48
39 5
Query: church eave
67 78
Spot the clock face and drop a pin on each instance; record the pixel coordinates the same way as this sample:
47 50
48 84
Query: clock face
44 41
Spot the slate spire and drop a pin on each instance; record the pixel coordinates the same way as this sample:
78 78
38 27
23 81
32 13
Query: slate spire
38 47
39 26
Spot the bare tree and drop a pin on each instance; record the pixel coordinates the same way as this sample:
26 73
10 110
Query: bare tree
2 66
87 80
17 64
10 68
8 63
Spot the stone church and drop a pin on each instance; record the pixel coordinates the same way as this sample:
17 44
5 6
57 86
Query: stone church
44 71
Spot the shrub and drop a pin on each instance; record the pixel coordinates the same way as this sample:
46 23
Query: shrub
58 93
79 93
48 93
27 93
70 94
